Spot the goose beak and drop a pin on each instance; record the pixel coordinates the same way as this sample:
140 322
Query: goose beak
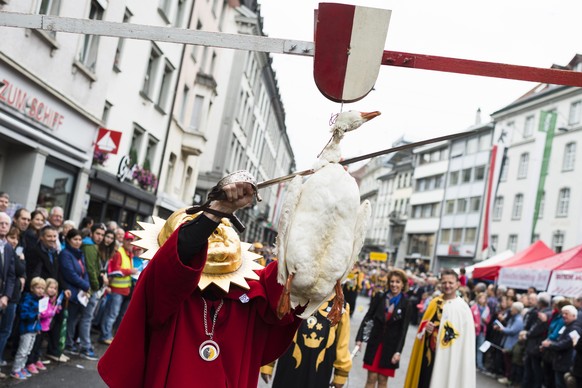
370 115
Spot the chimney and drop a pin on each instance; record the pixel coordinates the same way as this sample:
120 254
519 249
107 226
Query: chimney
478 117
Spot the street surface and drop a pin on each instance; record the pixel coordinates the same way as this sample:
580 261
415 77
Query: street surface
80 373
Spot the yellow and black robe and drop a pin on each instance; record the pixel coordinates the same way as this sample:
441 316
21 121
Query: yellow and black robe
318 349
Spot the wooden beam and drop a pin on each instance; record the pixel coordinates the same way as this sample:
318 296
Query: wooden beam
158 34
487 69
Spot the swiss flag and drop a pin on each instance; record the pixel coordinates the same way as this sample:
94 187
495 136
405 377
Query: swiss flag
108 140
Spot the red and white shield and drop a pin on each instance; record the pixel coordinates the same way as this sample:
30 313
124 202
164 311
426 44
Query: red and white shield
349 44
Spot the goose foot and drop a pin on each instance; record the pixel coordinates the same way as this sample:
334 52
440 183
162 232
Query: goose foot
335 313
284 305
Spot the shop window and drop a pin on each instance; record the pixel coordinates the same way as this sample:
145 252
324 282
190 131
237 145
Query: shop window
56 188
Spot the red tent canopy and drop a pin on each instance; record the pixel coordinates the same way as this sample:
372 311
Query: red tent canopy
533 253
570 259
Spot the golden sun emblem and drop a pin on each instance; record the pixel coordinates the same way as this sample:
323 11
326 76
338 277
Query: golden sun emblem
149 241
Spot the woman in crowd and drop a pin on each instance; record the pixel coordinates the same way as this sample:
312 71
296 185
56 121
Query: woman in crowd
390 314
106 250
32 234
481 316
75 278
510 329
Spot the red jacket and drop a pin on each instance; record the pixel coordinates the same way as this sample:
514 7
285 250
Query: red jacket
477 319
158 340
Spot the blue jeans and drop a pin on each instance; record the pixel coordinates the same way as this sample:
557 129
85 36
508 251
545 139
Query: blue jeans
85 323
6 325
480 340
111 313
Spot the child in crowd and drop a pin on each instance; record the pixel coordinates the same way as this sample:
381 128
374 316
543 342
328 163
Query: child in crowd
29 326
53 307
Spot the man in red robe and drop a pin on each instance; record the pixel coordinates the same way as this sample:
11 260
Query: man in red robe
161 341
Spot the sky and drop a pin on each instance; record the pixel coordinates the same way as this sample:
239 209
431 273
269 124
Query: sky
420 104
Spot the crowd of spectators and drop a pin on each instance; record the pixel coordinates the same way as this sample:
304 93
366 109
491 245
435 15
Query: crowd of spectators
62 285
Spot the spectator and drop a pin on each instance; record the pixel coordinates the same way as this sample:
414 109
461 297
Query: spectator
111 225
32 234
563 347
4 202
119 271
463 277
9 313
42 260
577 302
556 323
119 235
106 250
90 249
29 327
481 317
86 225
21 220
75 278
535 332
67 225
513 325
53 308
352 286
56 217
7 280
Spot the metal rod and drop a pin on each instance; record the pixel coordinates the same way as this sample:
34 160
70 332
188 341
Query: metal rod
345 162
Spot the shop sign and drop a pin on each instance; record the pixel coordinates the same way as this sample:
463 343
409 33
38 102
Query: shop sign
378 256
34 107
108 140
125 169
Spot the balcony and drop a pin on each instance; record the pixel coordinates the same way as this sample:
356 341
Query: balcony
396 218
193 143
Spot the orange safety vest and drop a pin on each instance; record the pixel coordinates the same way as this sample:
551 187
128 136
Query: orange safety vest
122 281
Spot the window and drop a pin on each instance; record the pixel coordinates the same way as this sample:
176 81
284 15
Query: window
504 170
575 113
457 149
494 242
150 77
517 207
438 181
166 87
426 211
150 153
475 204
470 234
563 202
457 235
187 182
542 206
137 140
450 206
170 173
461 205
467 175
88 54
569 157
196 113
120 43
479 173
183 108
498 208
512 242
454 178
558 241
445 236
472 145
181 13
49 7
522 168
166 8
416 211
485 141
528 127
106 111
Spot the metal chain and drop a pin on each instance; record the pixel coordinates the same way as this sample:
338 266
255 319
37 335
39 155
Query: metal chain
211 334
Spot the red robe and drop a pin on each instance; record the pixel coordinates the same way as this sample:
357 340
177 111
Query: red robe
158 340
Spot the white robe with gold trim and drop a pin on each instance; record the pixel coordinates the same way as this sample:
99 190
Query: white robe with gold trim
455 352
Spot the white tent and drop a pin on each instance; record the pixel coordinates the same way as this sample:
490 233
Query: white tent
487 262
